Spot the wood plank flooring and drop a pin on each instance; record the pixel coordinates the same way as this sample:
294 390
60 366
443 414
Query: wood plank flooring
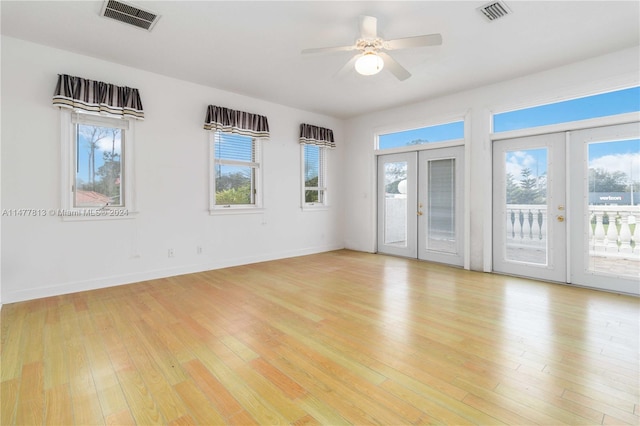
334 338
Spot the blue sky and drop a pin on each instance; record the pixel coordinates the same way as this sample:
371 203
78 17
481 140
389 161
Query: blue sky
438 133
602 105
618 156
629 146
612 156
533 159
103 145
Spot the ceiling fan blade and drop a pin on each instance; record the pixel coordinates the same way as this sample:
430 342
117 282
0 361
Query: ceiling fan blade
328 49
347 68
396 69
417 41
368 27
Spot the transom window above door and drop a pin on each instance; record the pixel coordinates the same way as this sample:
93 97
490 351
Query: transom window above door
583 108
444 132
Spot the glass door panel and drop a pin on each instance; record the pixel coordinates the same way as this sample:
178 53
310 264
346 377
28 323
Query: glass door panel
441 202
526 205
529 207
613 207
396 204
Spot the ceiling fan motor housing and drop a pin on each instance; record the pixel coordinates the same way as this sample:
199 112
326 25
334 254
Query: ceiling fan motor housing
369 44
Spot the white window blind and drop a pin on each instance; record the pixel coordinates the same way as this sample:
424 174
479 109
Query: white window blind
314 174
235 149
441 193
235 171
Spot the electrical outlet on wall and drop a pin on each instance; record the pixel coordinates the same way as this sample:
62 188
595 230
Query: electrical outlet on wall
171 252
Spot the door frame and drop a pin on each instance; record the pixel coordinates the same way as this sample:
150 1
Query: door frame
555 268
568 129
462 185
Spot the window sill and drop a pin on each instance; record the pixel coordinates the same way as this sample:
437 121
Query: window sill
314 208
237 210
81 215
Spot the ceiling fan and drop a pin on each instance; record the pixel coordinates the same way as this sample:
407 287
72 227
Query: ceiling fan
372 57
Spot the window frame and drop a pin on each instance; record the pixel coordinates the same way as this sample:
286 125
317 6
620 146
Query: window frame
69 120
257 166
322 178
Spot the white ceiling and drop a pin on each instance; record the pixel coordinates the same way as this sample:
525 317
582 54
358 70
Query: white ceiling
253 48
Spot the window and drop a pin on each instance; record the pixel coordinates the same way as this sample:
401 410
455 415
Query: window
314 141
236 158
96 146
595 106
97 176
314 177
236 172
424 135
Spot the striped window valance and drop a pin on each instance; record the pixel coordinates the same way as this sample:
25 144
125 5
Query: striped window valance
314 135
238 122
98 97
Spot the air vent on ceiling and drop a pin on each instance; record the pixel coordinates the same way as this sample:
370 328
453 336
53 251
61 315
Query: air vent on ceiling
495 10
129 14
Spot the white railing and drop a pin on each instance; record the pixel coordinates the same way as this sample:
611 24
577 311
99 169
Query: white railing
614 230
395 229
527 222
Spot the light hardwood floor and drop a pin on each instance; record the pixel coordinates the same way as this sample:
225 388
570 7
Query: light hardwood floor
334 338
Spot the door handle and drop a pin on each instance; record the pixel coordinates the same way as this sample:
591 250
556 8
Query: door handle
419 213
560 218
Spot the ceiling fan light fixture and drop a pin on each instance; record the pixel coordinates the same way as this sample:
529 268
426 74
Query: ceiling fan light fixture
369 64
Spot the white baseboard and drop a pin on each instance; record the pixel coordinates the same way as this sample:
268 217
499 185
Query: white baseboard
116 280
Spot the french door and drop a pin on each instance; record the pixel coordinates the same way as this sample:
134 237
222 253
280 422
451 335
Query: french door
420 205
605 208
588 237
529 209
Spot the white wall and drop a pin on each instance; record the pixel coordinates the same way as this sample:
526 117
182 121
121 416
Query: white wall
44 256
608 72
